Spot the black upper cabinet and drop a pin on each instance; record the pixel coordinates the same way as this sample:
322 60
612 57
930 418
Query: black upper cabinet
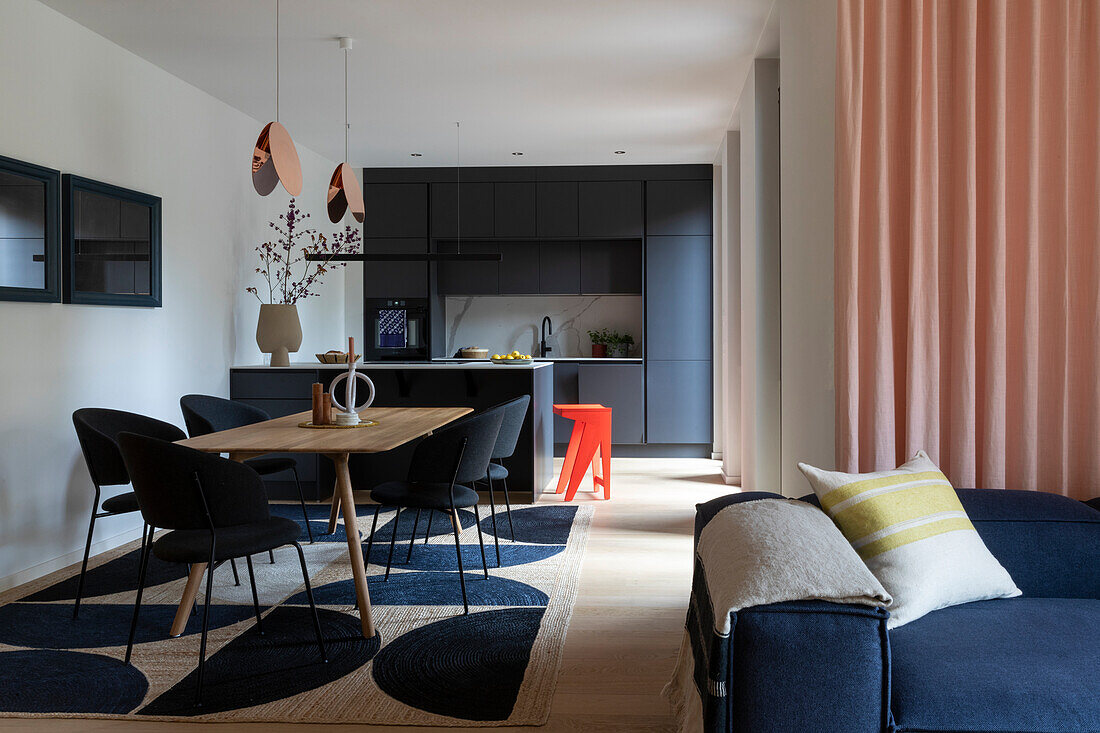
477 209
469 277
514 209
30 232
611 267
678 207
395 279
395 210
559 268
556 209
519 268
610 209
112 253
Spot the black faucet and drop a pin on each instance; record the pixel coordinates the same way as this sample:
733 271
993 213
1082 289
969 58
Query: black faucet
543 348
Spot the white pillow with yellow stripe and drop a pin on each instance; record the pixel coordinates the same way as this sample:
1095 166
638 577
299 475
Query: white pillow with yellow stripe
913 533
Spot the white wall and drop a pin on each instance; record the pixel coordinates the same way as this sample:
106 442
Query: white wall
728 303
760 247
76 102
807 30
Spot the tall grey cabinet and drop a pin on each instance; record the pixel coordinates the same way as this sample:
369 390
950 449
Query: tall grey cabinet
679 313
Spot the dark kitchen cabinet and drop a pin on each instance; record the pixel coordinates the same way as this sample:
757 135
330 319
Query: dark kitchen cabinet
519 268
559 268
395 210
468 278
678 208
514 209
679 309
611 267
556 208
610 209
620 387
476 207
566 392
395 279
679 402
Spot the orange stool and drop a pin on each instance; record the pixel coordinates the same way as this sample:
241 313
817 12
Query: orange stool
590 443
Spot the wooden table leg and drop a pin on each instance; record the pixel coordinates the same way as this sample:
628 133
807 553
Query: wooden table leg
335 510
194 581
355 549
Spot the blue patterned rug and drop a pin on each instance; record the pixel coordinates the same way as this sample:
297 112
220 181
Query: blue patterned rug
429 664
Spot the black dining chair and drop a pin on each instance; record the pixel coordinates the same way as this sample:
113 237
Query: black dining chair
97 431
515 412
216 510
204 414
443 467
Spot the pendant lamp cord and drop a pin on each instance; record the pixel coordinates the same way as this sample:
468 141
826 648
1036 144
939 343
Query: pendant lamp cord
458 183
346 126
277 78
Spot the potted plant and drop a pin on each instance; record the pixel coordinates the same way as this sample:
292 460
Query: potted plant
600 340
278 330
620 344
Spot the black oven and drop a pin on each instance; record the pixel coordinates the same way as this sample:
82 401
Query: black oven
396 330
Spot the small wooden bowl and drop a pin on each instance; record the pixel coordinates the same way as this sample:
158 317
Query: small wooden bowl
334 357
474 353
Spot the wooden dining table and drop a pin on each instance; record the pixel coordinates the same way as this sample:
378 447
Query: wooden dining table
394 427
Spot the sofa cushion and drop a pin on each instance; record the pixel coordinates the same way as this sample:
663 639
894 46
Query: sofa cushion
1019 664
1050 544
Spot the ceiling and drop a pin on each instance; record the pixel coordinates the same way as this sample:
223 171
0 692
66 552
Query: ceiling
566 82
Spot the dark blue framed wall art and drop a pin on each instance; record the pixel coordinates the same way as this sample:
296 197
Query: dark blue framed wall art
30 232
112 250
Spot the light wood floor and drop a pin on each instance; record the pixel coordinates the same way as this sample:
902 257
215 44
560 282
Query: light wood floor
626 626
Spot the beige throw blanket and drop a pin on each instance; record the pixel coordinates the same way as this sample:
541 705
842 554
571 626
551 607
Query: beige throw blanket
752 554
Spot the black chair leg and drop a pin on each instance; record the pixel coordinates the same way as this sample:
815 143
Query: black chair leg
84 564
255 596
428 531
373 526
312 605
481 542
137 601
508 508
236 577
493 511
205 626
271 556
412 538
302 501
393 542
461 572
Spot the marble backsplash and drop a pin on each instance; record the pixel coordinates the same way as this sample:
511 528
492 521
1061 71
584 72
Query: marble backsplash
502 324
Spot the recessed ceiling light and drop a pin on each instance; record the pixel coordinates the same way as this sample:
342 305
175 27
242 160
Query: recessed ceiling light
620 152
517 153
415 155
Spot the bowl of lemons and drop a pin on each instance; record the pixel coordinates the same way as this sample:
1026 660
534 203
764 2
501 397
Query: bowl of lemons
513 359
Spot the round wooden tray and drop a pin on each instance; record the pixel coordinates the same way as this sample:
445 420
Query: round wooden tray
363 424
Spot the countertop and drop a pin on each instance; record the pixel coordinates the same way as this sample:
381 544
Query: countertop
438 364
566 359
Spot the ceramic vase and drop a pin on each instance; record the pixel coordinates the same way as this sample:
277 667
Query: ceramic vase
278 332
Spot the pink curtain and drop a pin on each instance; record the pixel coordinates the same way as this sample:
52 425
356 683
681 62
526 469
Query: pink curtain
968 239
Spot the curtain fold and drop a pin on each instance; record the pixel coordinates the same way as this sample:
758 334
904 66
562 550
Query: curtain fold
968 239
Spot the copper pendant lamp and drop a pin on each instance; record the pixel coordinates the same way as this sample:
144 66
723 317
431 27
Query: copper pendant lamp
343 188
275 159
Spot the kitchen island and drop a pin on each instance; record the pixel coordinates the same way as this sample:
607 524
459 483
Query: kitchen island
286 390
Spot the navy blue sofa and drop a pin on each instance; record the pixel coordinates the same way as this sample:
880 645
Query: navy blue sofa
1022 664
